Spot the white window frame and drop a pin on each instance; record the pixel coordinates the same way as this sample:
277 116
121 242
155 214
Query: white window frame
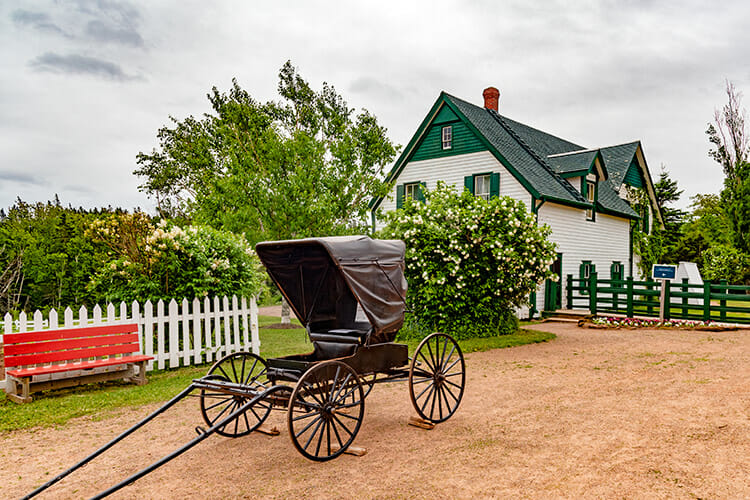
446 135
486 179
591 198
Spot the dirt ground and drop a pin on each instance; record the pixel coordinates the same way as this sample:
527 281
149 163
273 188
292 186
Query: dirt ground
592 414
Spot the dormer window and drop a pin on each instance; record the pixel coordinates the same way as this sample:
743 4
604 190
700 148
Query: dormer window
447 135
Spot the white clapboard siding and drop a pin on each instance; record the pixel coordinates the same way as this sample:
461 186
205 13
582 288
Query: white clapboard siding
189 333
452 170
603 241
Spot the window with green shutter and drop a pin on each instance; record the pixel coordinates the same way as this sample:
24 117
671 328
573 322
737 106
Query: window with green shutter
584 273
616 271
485 185
409 191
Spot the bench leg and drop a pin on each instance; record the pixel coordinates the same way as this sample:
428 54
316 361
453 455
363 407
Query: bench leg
14 386
140 379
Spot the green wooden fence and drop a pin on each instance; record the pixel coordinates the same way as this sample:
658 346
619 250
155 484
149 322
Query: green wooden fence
706 302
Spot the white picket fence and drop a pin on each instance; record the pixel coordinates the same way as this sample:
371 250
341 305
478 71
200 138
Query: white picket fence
186 333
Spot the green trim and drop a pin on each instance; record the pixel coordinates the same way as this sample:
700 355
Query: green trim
577 173
400 195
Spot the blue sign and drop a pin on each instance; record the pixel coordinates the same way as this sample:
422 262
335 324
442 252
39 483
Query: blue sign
663 272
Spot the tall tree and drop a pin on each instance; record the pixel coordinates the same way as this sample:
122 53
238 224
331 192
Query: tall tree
667 193
303 166
731 142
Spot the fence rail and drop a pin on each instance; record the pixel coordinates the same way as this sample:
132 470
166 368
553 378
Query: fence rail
683 300
176 334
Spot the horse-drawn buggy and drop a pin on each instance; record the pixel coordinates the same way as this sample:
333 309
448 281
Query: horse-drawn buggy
349 294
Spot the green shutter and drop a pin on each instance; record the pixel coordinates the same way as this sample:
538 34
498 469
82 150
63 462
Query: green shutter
399 196
494 185
469 183
420 191
615 270
582 275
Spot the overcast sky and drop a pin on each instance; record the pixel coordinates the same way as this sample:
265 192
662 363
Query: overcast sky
85 85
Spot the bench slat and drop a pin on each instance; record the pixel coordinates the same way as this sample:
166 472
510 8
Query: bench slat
60 345
52 357
86 365
69 333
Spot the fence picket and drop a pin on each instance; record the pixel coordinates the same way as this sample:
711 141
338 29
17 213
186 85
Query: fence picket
238 346
160 353
174 339
227 325
148 331
53 320
207 330
186 345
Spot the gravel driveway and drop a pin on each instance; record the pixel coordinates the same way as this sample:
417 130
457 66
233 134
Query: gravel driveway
592 414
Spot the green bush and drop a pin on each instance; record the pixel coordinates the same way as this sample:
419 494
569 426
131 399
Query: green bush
469 262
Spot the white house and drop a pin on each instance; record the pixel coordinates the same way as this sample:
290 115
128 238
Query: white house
581 193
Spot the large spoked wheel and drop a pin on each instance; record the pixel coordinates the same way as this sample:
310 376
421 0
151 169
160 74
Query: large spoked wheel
437 377
326 410
242 368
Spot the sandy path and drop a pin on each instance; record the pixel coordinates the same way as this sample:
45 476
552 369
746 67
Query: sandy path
593 414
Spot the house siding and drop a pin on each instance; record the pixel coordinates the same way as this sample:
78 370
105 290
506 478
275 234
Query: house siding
602 242
452 170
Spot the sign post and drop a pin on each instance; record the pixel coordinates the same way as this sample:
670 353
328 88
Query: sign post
664 273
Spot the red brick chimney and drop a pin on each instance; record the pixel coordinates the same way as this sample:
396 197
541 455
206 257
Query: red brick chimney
491 97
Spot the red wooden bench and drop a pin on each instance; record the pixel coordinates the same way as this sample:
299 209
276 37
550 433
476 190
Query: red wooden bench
50 359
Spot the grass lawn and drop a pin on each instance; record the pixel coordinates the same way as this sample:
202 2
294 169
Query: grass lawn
57 407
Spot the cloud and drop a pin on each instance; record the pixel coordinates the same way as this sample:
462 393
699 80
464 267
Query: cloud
372 86
22 178
78 64
37 20
101 32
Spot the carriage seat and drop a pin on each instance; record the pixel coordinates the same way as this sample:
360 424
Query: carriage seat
337 343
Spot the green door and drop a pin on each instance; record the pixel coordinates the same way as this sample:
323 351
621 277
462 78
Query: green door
553 289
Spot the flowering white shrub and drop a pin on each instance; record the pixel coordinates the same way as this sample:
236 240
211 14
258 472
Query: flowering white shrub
166 261
469 261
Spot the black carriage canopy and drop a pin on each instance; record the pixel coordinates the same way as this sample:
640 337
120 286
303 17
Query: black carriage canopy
324 279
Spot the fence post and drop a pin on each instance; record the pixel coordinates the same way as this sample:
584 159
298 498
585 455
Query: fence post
723 301
569 291
684 289
592 293
629 312
706 301
649 297
615 284
667 285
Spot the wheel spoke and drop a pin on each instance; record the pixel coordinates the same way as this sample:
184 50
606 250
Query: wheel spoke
336 432
303 416
440 401
343 385
225 373
314 431
342 423
219 403
427 399
446 388
234 370
333 383
308 426
442 355
422 380
425 390
451 366
250 374
320 439
446 359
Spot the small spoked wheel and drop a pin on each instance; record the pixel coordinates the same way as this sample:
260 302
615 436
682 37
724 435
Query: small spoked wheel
326 410
248 370
437 377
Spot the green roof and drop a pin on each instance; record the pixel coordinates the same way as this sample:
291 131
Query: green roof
538 160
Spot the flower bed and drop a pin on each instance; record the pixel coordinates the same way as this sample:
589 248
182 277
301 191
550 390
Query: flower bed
615 322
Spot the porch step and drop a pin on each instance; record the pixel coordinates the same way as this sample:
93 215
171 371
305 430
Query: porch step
566 314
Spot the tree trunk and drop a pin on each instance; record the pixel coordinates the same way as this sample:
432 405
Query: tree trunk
285 319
